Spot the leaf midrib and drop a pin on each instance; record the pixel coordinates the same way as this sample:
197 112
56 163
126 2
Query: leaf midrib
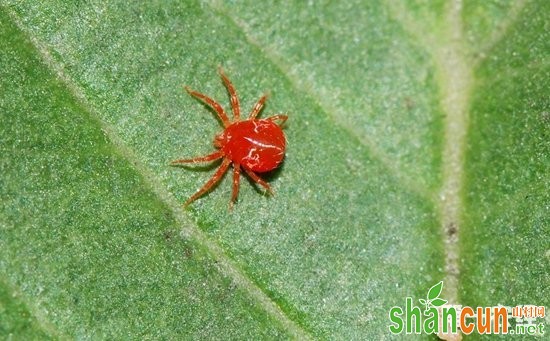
456 81
455 67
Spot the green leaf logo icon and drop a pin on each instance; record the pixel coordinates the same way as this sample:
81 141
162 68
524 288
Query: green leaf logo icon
435 291
432 299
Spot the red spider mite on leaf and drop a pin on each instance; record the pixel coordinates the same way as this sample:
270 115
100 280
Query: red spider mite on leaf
253 145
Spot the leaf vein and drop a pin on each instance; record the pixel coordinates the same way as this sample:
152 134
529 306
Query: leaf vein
304 86
227 265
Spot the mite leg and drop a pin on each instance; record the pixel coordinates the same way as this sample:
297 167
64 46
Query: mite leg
213 104
213 180
281 118
236 180
257 107
258 180
233 93
210 157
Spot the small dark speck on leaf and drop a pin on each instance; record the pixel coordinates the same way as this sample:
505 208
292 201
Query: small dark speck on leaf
451 229
187 252
409 103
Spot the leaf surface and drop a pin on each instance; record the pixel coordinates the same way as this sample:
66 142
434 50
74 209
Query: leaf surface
418 151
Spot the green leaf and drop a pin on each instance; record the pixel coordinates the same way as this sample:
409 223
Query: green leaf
435 291
438 302
418 152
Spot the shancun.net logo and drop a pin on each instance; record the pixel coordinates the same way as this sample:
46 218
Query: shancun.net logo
438 317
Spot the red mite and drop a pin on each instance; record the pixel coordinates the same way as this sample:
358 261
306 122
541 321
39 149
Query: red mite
253 145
